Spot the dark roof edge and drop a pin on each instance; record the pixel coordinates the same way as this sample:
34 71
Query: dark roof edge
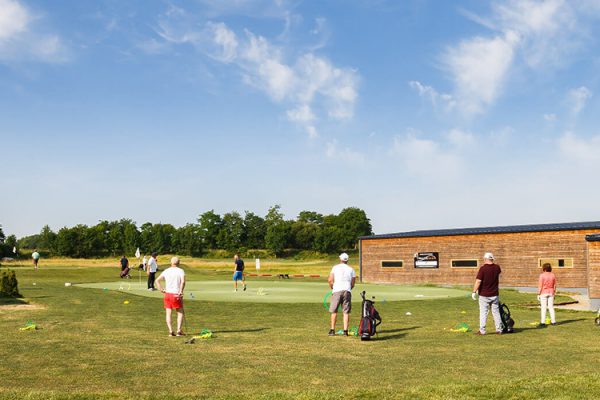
494 230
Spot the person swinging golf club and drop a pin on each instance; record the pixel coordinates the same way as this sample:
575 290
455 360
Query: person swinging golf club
174 278
341 281
486 286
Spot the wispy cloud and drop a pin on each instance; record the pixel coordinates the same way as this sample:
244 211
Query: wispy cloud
577 99
433 96
580 150
479 67
22 39
425 157
337 152
539 35
309 86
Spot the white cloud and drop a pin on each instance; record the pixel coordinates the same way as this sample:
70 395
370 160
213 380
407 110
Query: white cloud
550 118
301 114
432 95
578 98
310 87
334 151
14 19
460 138
539 34
21 38
478 67
226 40
426 157
585 151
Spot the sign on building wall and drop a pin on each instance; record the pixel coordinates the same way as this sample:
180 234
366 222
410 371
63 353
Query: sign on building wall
427 260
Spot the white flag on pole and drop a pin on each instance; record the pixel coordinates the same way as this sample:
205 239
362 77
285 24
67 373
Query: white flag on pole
15 250
137 253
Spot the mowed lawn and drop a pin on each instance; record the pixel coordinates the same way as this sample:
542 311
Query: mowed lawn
93 346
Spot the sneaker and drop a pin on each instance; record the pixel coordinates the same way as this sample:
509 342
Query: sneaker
171 334
180 333
345 333
331 332
499 333
244 288
553 323
234 290
478 333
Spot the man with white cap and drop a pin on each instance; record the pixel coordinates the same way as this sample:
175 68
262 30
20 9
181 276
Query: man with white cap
486 285
341 281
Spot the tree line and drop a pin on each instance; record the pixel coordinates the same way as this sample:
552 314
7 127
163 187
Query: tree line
231 231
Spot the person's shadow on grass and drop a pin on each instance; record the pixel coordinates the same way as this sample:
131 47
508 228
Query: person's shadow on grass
537 327
396 331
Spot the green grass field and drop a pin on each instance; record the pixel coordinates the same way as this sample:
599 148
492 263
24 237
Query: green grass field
93 346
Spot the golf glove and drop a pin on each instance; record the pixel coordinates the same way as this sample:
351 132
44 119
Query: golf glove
539 297
474 296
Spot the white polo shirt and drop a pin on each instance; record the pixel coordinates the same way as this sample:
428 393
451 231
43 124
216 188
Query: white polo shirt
342 277
173 278
152 265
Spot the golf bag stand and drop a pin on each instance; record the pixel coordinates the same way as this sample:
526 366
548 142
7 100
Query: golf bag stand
507 322
370 319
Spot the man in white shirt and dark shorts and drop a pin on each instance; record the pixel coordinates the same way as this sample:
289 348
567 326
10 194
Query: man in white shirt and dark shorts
341 281
174 278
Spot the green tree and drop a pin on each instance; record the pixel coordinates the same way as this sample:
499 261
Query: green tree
278 230
29 242
210 226
47 238
11 241
254 231
74 242
231 234
187 240
310 216
157 237
354 223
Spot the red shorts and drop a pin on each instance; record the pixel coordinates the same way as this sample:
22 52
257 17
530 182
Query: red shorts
173 301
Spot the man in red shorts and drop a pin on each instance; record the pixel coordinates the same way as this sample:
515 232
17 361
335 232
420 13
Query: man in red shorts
174 278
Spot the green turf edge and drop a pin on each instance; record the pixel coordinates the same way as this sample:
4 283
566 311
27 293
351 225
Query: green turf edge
585 386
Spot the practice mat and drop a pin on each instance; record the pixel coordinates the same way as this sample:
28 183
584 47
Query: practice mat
283 291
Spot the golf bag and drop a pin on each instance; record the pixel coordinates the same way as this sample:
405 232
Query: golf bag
370 319
125 273
507 322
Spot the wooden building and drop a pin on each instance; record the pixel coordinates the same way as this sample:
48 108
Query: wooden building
452 256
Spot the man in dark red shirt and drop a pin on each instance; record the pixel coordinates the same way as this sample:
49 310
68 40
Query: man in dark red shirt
486 285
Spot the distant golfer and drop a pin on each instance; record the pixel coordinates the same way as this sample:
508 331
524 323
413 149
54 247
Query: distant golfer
546 292
35 256
144 262
124 267
341 281
238 274
486 285
151 269
174 278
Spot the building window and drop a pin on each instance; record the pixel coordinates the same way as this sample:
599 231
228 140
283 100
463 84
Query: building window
392 264
556 263
464 263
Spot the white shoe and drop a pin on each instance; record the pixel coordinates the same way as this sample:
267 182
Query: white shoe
234 290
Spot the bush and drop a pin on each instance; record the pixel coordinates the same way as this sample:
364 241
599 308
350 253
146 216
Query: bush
8 284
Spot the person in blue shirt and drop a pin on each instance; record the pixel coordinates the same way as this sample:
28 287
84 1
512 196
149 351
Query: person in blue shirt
238 274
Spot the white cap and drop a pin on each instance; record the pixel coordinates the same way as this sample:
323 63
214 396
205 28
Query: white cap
344 257
488 256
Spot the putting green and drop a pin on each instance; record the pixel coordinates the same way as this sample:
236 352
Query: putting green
283 291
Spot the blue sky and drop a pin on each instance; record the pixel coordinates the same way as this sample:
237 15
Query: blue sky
426 114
